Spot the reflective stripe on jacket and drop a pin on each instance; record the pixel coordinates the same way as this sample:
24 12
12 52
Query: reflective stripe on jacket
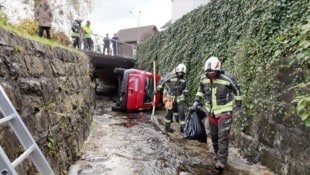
75 35
218 94
87 31
173 87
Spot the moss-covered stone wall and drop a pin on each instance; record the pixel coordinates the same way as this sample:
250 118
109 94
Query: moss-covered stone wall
52 91
265 45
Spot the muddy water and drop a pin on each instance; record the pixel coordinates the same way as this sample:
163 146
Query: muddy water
127 144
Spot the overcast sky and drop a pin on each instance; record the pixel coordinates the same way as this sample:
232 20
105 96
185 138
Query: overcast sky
109 16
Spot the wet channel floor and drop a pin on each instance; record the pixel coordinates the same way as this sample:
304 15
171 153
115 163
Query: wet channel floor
127 144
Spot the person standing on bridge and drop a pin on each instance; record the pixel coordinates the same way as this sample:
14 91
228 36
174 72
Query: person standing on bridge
115 46
43 13
76 33
218 90
87 31
106 44
174 92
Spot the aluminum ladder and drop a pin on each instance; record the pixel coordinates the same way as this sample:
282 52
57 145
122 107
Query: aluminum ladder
32 150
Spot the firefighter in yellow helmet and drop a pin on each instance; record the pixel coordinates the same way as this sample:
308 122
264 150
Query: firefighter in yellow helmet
219 91
174 91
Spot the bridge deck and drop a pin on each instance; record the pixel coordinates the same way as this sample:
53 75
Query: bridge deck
103 66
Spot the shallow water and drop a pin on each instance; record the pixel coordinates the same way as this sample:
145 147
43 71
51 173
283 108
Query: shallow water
127 144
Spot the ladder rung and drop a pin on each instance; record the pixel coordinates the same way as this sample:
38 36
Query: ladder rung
32 150
5 164
6 119
24 155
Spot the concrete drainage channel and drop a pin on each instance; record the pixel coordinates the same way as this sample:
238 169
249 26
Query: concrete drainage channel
127 144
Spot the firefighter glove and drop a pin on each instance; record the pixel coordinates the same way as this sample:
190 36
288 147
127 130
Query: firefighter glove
185 94
238 104
194 106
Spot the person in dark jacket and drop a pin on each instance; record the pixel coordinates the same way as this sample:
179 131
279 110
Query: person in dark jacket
106 44
43 14
218 89
115 46
76 33
174 91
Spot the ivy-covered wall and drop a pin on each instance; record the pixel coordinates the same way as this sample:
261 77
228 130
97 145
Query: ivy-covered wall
265 45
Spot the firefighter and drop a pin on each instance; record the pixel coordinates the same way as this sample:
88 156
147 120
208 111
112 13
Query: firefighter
218 89
174 91
76 33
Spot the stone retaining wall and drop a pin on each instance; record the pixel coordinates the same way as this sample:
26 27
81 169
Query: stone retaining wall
52 91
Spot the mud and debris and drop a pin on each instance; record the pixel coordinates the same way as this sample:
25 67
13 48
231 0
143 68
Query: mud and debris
127 144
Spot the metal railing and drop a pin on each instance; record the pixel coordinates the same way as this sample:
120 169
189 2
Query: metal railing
120 49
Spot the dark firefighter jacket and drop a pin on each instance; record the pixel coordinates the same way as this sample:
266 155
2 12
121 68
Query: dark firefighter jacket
173 87
218 94
76 29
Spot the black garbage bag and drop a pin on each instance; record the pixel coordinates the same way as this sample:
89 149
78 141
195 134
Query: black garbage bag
194 128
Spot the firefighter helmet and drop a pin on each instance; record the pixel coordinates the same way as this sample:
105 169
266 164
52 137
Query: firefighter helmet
180 68
212 64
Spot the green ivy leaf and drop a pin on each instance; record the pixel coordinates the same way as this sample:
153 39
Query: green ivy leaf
277 53
303 54
304 116
300 106
280 39
307 123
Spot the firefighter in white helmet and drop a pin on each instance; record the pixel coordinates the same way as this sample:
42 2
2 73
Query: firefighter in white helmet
174 91
219 91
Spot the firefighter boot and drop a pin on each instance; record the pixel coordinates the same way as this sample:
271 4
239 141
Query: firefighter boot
182 128
168 129
176 117
219 167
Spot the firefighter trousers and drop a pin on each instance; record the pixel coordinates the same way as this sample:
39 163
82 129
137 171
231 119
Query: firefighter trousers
179 107
76 42
219 131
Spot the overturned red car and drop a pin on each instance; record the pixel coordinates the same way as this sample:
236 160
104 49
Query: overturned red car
135 90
